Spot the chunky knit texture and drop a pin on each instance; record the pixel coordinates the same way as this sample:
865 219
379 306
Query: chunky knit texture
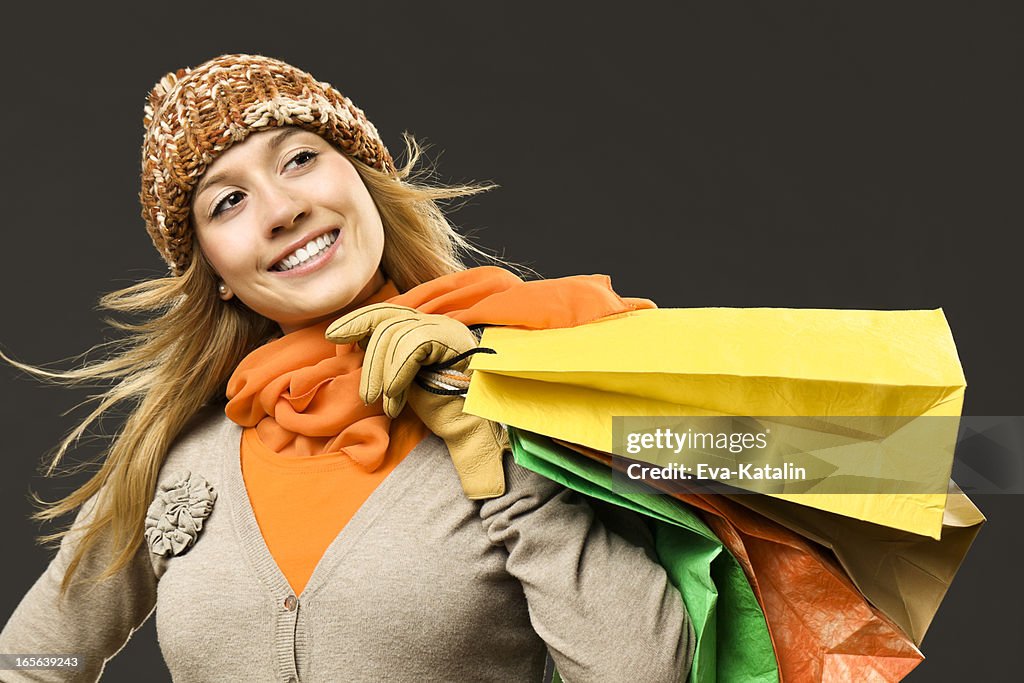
193 115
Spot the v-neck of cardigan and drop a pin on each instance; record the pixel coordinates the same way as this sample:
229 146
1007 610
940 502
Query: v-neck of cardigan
405 474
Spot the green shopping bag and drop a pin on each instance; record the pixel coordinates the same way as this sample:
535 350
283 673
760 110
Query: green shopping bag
733 643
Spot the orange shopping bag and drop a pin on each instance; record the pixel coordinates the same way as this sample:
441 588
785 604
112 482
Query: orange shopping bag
822 628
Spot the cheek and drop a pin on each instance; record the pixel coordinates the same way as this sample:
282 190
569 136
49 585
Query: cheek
373 244
373 231
226 255
358 203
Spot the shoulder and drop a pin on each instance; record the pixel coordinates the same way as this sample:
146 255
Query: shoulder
205 441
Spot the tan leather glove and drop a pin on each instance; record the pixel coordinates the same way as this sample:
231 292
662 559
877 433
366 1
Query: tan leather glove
402 341
476 444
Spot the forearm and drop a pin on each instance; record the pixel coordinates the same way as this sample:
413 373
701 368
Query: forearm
90 621
605 608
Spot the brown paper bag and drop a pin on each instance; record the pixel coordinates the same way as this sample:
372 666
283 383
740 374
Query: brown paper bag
902 574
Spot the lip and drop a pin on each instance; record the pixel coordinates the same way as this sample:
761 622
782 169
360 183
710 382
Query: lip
312 264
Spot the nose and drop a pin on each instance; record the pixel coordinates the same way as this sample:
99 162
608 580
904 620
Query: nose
285 208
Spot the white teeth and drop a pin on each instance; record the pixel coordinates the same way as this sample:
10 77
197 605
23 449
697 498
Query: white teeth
302 254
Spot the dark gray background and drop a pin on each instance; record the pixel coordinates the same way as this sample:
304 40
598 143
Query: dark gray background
853 155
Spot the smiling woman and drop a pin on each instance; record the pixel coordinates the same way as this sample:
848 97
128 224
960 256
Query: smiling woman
290 228
273 495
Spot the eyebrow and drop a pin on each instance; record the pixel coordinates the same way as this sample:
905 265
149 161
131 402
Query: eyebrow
272 146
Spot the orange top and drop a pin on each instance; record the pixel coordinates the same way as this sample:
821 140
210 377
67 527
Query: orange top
312 453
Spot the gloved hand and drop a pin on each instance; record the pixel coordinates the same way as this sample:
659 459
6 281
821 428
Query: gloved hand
475 443
401 341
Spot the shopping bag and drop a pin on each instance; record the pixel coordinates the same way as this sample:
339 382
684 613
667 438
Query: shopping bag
568 383
904 575
823 629
733 643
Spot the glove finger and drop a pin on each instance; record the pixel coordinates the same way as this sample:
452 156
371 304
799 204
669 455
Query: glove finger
410 351
393 405
360 323
375 363
425 344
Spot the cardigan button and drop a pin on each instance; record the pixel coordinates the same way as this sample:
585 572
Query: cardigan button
290 603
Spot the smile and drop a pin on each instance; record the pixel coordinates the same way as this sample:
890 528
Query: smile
313 250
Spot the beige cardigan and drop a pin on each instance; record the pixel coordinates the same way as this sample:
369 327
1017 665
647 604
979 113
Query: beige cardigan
421 585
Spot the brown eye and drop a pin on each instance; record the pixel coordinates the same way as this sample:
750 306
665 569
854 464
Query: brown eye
228 202
302 158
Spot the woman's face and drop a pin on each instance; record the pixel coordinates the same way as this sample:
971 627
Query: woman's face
290 228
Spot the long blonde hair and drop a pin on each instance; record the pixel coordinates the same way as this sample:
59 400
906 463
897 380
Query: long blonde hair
165 377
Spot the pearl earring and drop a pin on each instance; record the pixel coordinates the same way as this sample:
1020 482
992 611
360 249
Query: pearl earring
222 288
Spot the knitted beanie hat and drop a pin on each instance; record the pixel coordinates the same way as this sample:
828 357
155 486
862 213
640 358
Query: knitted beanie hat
193 115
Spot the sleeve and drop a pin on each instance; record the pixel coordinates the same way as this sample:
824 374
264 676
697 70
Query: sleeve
596 596
91 621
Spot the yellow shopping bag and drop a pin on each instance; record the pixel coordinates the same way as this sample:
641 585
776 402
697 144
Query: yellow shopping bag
568 383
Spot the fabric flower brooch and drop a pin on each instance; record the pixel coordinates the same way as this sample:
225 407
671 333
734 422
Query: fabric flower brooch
175 517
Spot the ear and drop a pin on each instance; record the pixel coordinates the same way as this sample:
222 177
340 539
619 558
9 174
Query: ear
224 292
